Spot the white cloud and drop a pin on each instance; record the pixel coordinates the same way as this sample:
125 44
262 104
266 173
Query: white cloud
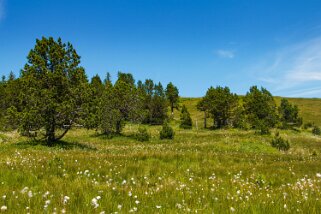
225 54
294 70
2 9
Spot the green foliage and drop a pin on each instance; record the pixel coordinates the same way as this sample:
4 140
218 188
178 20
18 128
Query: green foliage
289 114
316 130
10 102
53 89
186 120
167 132
142 134
280 143
260 108
154 102
308 125
92 107
221 104
172 96
120 103
263 129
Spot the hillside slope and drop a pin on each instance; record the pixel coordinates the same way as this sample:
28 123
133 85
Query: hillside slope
310 109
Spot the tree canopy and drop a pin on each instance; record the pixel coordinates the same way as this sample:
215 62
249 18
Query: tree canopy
53 89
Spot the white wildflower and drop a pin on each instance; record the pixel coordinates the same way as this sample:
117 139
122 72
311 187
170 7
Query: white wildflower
4 208
30 194
318 175
66 199
232 209
94 202
24 190
158 206
119 206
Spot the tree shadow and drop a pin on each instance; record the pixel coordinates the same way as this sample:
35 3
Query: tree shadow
58 144
130 136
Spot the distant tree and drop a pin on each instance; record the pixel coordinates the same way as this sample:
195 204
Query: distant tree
120 103
158 105
96 89
203 106
107 79
10 102
53 89
154 102
260 108
126 78
172 96
289 114
221 104
186 120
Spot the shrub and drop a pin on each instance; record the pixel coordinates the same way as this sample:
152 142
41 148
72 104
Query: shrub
316 130
186 120
142 134
263 129
308 125
279 143
167 132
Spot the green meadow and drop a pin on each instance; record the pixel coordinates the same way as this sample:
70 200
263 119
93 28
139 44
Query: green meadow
199 171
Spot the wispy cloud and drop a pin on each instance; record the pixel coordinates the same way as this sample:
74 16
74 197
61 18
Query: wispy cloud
294 70
225 53
2 9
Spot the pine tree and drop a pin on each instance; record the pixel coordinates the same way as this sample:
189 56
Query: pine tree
53 89
172 96
260 108
221 104
186 120
289 114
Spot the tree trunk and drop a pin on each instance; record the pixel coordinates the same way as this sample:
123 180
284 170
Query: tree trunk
205 122
51 134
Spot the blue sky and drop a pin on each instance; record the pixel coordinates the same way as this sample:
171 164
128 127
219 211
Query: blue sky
194 44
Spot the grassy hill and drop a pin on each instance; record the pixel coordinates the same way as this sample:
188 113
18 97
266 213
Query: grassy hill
199 171
310 109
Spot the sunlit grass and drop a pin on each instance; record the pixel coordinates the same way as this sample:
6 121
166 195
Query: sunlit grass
202 171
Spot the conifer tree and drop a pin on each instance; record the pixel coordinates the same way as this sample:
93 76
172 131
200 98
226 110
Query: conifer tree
53 89
186 120
172 96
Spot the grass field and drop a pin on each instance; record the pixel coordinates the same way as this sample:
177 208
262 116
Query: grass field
200 171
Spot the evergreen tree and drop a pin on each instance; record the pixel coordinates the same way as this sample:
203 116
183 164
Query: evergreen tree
167 131
203 106
260 108
120 103
186 120
289 114
53 89
154 102
172 96
96 89
221 104
158 109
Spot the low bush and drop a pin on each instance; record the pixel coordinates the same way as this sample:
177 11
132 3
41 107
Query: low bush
316 130
280 143
167 132
142 135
